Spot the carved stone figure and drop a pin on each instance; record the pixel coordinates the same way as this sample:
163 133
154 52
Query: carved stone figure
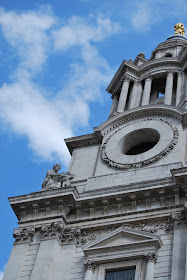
54 180
66 179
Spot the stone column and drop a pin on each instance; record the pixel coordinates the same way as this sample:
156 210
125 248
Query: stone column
139 95
90 268
123 96
151 260
114 104
179 88
169 89
134 95
147 91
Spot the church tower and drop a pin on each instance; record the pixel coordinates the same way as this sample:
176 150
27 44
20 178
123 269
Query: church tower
120 211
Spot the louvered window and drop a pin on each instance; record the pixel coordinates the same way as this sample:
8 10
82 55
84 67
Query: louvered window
124 274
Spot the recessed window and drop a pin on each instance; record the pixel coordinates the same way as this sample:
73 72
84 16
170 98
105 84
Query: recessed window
124 274
140 141
168 55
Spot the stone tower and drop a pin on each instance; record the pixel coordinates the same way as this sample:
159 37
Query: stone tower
120 211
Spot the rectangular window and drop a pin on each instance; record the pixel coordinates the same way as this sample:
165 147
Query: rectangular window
124 274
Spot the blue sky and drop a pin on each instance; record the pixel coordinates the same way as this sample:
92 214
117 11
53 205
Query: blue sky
56 60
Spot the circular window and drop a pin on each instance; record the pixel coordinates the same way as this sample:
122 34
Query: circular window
140 141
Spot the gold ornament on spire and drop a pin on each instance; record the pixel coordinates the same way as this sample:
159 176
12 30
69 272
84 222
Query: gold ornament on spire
179 29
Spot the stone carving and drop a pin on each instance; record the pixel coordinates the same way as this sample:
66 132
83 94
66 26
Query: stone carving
89 236
51 230
90 264
184 211
67 177
54 180
151 227
24 235
63 235
143 163
152 257
70 235
176 220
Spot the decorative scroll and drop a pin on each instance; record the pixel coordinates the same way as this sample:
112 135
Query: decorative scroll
152 257
90 264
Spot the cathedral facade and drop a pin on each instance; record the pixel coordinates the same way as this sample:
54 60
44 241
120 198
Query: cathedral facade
120 212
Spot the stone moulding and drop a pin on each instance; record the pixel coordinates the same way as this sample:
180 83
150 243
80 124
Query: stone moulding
125 166
82 236
140 115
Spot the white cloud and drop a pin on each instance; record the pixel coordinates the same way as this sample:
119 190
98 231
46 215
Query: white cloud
146 13
24 105
79 31
26 32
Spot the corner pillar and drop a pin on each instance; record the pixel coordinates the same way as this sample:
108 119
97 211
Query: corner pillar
114 104
169 89
123 96
147 91
90 268
151 260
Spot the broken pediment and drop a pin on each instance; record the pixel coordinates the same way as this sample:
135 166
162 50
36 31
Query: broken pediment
121 243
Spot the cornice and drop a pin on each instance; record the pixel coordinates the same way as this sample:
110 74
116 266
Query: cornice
138 113
141 71
65 197
82 141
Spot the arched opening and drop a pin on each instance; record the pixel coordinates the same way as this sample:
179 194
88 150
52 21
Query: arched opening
168 55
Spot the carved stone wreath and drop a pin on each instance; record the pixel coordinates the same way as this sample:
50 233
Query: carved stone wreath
125 166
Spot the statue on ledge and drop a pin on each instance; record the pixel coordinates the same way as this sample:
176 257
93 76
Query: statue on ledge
55 180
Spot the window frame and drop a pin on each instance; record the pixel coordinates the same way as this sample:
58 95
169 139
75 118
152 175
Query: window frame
137 264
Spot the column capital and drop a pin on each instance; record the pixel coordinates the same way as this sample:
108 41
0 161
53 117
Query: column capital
136 82
148 78
114 95
170 72
126 79
151 257
179 73
90 265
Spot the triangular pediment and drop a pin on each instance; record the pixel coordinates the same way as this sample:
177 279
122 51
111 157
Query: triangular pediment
122 243
122 236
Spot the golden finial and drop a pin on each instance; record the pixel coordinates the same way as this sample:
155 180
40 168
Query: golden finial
179 29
